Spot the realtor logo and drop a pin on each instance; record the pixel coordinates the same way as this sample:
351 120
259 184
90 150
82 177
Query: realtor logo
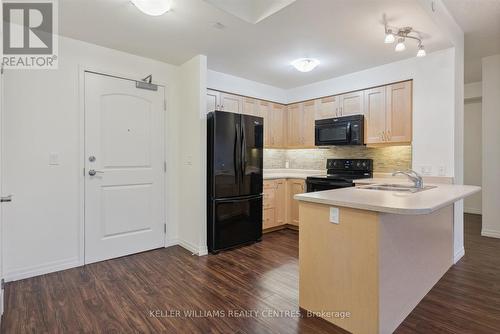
30 34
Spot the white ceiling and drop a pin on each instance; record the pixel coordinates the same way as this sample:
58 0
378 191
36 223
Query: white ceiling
480 21
345 35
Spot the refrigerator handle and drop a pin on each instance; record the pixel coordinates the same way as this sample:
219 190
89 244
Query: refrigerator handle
235 153
243 152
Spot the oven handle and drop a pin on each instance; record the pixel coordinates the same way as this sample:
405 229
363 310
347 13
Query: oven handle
349 138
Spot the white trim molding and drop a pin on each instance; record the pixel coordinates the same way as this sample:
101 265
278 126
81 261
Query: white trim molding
43 269
458 255
490 233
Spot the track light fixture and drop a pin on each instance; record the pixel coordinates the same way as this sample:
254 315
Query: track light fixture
401 35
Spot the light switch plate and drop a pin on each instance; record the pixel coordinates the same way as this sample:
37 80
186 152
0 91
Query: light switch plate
334 215
53 159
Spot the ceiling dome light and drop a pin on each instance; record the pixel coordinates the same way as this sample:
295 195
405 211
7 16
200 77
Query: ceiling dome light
389 37
421 51
153 7
305 64
401 45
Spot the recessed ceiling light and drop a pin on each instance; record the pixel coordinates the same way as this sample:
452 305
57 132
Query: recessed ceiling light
153 7
305 64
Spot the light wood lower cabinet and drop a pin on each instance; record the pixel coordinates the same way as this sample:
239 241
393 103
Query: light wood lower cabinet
279 207
294 187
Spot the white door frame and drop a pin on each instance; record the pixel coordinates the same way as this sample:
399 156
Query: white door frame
82 69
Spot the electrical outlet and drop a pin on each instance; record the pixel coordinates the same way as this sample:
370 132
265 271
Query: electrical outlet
334 215
426 170
442 170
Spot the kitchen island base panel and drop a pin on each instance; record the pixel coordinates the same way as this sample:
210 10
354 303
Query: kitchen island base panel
376 266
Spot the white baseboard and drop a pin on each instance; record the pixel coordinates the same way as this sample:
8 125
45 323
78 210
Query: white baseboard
42 269
490 233
171 242
474 211
458 255
196 250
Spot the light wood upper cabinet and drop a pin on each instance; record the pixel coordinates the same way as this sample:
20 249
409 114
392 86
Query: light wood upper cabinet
294 138
388 114
352 103
265 113
375 115
307 128
213 100
277 128
231 103
327 107
301 118
399 112
250 107
294 186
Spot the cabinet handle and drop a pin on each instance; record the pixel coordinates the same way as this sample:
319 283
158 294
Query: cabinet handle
389 136
383 135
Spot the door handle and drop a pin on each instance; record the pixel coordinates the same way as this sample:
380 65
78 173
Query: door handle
5 199
93 172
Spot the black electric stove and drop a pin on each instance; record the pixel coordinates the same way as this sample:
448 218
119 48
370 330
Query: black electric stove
341 173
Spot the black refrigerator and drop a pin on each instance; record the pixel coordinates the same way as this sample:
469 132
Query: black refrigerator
234 179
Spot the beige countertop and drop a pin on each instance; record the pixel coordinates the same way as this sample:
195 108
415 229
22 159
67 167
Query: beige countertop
403 203
272 174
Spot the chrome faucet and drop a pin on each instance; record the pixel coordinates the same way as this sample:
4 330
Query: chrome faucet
412 175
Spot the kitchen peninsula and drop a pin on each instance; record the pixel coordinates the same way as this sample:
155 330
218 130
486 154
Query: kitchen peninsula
373 253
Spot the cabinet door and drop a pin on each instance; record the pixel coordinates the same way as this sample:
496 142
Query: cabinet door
269 194
375 115
213 100
327 107
277 128
231 103
295 186
250 107
280 201
399 112
352 103
308 115
268 218
265 113
294 135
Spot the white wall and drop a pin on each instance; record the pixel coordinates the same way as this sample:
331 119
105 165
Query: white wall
473 154
192 159
230 83
473 90
491 148
43 225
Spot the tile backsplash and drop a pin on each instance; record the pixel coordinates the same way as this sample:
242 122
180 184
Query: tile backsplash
385 159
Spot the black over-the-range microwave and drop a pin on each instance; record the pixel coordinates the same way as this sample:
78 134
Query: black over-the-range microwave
346 130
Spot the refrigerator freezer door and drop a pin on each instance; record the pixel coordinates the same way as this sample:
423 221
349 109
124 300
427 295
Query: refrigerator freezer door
252 148
226 155
235 222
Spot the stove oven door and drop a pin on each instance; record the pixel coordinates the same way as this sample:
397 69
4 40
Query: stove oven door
326 184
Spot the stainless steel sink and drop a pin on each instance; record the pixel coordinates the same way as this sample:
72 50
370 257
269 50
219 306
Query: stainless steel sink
396 187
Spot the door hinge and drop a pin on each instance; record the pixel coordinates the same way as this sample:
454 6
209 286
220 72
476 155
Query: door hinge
165 228
165 166
165 105
2 284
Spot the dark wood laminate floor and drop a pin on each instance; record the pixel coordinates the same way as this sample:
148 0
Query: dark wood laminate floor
117 296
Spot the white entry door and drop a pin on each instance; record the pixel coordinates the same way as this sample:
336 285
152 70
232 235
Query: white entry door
124 172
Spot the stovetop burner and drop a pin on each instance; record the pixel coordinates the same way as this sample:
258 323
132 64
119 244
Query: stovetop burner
340 174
